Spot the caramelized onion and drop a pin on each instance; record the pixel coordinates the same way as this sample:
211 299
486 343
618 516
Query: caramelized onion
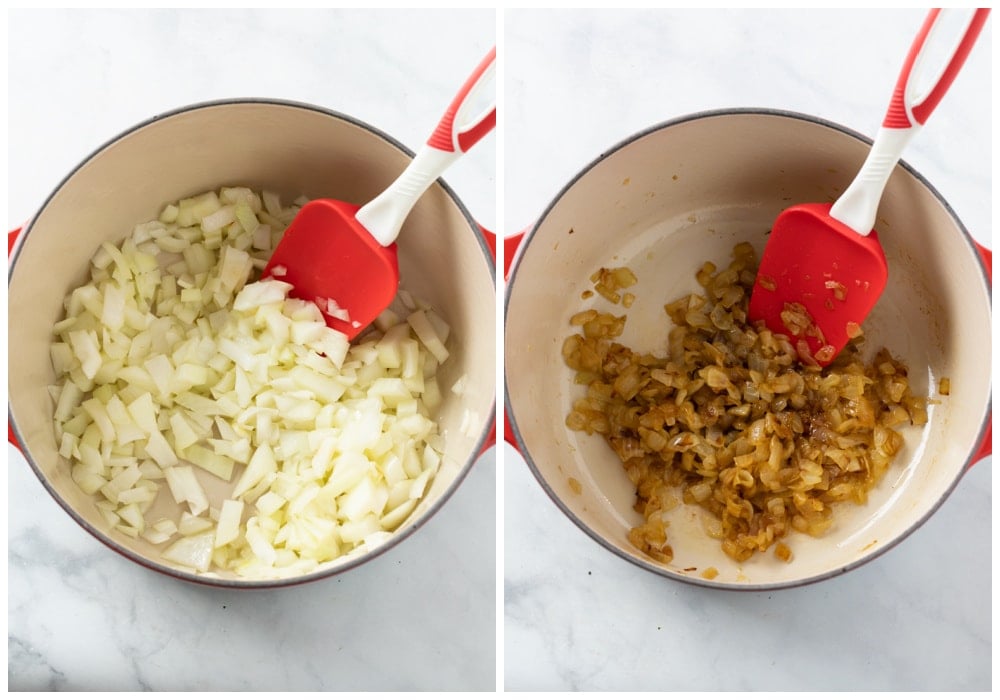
736 418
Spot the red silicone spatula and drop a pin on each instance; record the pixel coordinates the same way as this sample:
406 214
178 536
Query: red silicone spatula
827 258
344 257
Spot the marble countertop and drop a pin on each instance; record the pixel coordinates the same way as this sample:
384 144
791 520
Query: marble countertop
424 616
576 616
80 617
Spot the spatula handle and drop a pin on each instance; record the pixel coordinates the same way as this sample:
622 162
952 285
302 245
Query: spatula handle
457 131
858 205
904 109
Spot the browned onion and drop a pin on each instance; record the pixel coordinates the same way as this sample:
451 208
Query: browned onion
734 416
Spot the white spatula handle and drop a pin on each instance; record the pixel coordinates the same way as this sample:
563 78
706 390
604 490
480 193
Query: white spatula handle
461 127
908 111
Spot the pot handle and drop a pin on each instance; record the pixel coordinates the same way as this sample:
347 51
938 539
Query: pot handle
509 246
491 243
12 237
510 253
985 448
987 257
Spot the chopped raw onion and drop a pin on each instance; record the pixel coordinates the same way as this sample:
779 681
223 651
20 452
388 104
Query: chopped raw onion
175 368
332 309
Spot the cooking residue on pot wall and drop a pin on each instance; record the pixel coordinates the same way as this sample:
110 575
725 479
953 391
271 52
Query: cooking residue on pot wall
731 420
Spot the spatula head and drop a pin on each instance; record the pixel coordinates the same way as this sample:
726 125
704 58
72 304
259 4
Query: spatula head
814 260
326 254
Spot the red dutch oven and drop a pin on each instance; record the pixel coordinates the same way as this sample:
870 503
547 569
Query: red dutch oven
669 198
293 149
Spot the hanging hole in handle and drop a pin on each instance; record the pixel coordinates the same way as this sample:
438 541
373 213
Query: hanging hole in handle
932 53
480 102
468 139
946 47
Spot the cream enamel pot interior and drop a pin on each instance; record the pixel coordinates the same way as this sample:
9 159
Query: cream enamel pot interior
681 193
293 149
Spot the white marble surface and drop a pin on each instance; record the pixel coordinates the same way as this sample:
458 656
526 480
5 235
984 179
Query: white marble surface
580 618
422 616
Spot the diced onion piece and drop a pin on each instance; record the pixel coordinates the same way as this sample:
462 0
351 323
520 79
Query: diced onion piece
354 531
261 465
132 515
87 351
245 216
169 214
407 299
228 528
260 542
143 412
213 463
268 291
193 524
272 203
183 434
113 312
334 310
185 488
159 449
194 552
419 484
219 218
395 517
427 334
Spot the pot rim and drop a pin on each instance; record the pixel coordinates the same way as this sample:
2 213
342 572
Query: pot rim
25 229
243 584
973 449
